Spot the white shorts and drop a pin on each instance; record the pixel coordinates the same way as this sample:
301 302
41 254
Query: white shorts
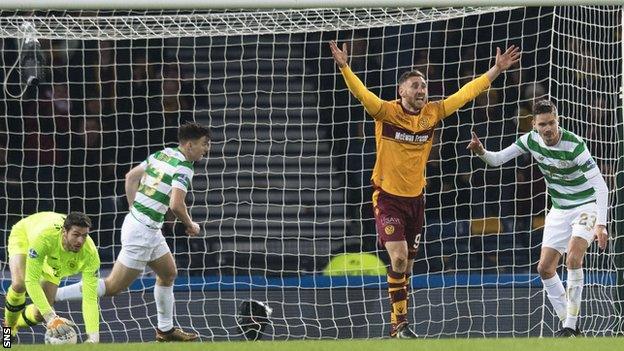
561 225
140 244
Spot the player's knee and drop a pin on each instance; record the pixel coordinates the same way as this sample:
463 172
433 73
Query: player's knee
399 263
545 271
167 279
574 261
18 286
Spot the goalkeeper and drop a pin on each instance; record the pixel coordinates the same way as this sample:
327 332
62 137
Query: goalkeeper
43 248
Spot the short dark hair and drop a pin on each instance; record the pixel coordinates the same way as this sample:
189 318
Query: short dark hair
192 131
77 219
409 74
544 106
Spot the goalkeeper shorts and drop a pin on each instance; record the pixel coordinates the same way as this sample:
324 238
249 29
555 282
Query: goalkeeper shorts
18 240
18 245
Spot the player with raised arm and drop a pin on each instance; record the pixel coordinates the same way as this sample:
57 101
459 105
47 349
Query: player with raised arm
579 197
404 131
157 184
44 248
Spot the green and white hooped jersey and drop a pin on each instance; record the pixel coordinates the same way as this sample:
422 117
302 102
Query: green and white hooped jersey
164 170
566 166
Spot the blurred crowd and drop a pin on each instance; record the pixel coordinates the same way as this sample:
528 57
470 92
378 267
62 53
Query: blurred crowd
104 106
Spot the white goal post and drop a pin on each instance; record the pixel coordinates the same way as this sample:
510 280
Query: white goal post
274 4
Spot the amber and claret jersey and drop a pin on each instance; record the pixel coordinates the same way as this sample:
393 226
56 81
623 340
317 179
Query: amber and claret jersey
404 140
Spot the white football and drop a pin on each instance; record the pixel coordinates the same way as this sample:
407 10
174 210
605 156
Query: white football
71 338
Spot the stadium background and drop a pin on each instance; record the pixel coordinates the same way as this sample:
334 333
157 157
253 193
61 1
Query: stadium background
106 105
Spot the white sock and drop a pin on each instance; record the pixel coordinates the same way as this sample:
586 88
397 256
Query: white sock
73 292
557 296
164 306
575 292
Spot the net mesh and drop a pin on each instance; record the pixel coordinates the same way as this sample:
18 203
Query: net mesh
286 187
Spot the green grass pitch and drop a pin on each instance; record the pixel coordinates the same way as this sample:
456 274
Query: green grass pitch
517 344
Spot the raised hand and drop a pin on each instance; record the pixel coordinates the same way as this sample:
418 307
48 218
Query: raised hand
508 58
475 145
340 56
601 234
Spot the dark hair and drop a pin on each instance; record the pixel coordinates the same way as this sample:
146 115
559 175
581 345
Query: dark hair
192 131
544 106
409 74
77 219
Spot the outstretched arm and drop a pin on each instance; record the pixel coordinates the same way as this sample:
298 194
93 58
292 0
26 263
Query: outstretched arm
90 304
493 158
471 90
372 103
37 252
503 61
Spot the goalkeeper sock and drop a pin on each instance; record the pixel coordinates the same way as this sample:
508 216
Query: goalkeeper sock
398 297
28 317
557 296
164 306
575 292
13 306
74 291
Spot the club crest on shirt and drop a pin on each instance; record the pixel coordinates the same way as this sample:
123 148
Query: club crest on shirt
389 229
423 122
32 253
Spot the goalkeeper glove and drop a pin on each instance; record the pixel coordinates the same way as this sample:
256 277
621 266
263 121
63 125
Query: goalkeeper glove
59 326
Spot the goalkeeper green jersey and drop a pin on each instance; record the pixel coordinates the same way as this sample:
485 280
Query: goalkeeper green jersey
48 260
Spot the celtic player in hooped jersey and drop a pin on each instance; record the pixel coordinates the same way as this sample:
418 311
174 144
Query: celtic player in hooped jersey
579 205
44 248
154 186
